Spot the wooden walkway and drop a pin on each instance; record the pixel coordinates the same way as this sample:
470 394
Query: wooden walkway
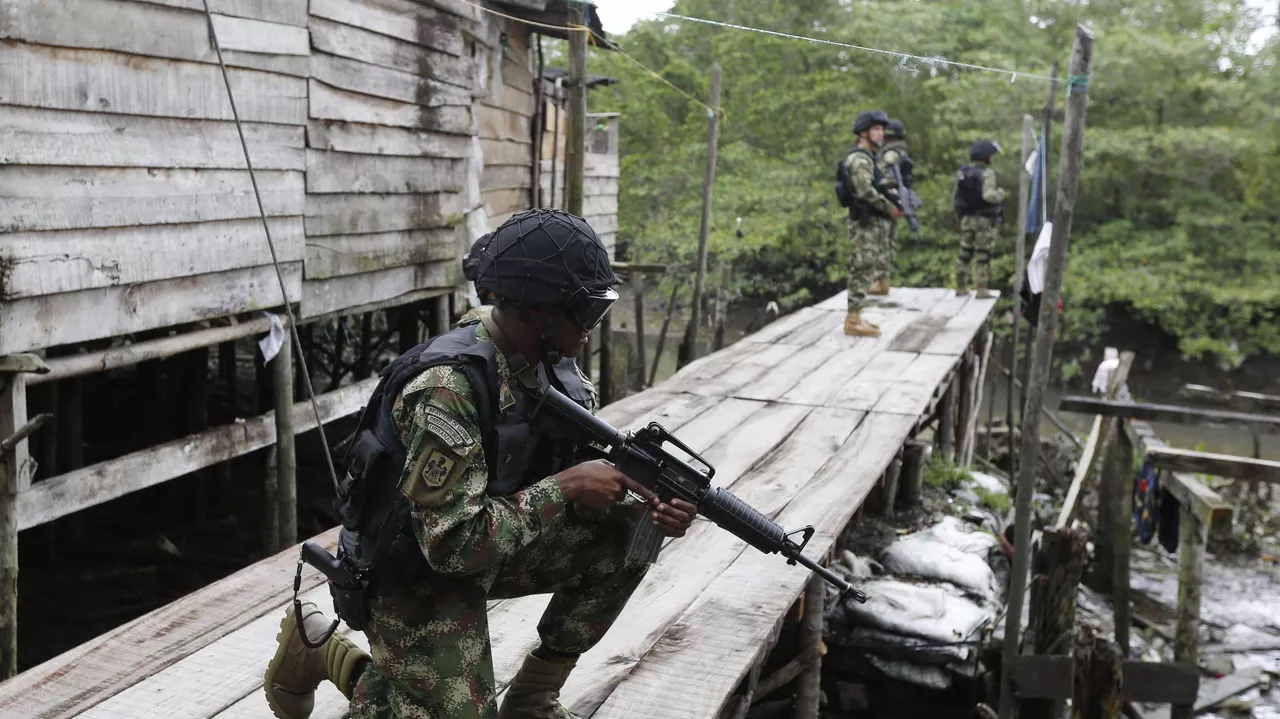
799 419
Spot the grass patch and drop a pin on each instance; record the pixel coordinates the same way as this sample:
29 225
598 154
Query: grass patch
996 502
945 474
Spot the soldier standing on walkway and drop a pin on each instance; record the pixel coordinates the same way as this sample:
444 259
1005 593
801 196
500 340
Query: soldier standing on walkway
978 201
872 212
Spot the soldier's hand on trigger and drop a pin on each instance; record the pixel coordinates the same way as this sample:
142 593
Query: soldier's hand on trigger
673 519
599 485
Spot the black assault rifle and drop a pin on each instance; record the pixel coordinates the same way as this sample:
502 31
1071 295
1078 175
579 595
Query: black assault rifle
641 456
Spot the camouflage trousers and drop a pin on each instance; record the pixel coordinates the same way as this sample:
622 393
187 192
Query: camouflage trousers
977 240
432 658
872 257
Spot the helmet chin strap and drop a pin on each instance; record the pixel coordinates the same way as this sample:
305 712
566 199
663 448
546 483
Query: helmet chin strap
547 331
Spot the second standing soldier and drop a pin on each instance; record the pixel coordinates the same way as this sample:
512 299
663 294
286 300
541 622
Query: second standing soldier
978 202
861 188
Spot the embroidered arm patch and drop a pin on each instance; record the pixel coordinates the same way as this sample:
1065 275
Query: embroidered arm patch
443 455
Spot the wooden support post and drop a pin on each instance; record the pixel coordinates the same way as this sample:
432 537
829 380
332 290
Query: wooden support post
982 355
577 111
539 122
195 408
1069 173
662 335
964 403
407 327
1120 465
1058 567
286 459
365 357
809 687
946 438
722 308
889 490
1192 537
15 477
636 277
704 229
270 504
1019 276
605 382
442 319
915 455
1096 683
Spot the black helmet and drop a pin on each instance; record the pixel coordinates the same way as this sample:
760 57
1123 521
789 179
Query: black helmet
546 257
867 119
896 130
983 150
471 260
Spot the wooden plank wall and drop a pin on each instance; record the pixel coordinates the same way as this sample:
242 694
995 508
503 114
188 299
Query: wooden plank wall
506 121
600 171
390 120
126 202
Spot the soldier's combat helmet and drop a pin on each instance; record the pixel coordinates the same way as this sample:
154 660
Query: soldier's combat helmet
868 118
895 130
471 260
546 257
983 150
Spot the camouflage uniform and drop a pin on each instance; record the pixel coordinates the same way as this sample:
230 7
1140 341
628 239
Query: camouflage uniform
978 236
890 154
872 245
430 642
475 314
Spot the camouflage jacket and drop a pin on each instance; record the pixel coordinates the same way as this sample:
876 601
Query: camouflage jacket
991 192
890 154
459 527
862 170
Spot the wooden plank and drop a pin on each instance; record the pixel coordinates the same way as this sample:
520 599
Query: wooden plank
603 224
599 164
152 30
512 97
45 263
600 205
506 177
1169 413
743 373
400 19
320 297
336 255
784 325
86 675
1049 677
743 604
1093 449
801 365
873 382
330 103
919 334
63 198
914 390
87 139
592 186
502 152
352 42
268 38
365 79
504 202
1222 465
381 140
958 334
709 366
111 311
93 485
358 214
337 172
100 81
292 12
498 124
834 373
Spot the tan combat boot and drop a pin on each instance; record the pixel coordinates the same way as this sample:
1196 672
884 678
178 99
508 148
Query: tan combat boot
534 692
983 293
295 671
881 287
856 326
962 287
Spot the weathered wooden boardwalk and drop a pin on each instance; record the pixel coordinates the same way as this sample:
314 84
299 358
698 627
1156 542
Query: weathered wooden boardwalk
799 419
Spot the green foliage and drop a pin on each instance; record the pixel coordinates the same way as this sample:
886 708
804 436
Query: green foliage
945 474
995 501
1176 216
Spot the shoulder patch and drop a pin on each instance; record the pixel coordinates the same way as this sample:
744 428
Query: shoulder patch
433 472
448 428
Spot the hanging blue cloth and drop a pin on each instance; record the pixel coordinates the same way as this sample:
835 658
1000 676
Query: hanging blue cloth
1146 500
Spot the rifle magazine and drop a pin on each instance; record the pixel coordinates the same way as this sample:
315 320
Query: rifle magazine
646 540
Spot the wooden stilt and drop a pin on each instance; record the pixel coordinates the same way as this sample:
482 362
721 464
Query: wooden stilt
270 502
915 455
442 321
1120 463
965 404
407 326
809 689
1192 537
15 476
946 439
1058 565
286 460
1096 681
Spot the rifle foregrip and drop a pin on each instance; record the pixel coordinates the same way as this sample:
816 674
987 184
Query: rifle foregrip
743 520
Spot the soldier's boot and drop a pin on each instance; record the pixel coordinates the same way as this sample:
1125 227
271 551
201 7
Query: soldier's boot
982 292
962 275
855 326
296 670
981 272
534 692
881 287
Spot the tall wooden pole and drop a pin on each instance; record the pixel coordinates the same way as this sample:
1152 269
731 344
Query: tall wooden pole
636 278
1045 208
708 184
1069 174
808 686
1192 537
1019 276
574 144
286 459
15 476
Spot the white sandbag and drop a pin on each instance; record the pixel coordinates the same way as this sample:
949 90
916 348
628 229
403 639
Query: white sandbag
923 676
930 611
925 556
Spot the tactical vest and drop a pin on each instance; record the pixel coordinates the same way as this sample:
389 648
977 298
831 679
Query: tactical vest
968 199
859 210
519 448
